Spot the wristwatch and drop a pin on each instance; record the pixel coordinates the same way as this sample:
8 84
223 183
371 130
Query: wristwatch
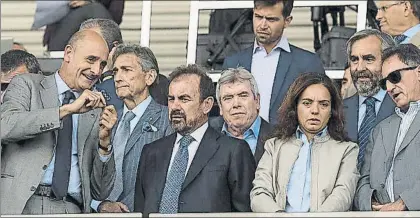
107 149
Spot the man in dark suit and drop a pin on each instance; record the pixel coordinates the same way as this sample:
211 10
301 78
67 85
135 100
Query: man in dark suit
140 121
56 153
196 169
239 102
390 179
274 63
371 104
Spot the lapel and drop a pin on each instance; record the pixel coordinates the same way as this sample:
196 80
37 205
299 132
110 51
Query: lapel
411 133
246 58
285 59
351 107
265 130
389 139
162 160
151 115
387 108
208 146
49 95
85 124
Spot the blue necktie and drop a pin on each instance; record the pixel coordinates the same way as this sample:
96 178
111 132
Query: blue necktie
119 142
365 128
175 179
400 38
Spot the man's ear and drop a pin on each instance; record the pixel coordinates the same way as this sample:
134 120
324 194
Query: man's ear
150 77
207 104
287 21
68 53
257 98
408 9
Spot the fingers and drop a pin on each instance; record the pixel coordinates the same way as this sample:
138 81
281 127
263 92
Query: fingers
108 117
377 207
123 207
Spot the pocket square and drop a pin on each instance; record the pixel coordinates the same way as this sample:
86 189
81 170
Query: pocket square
147 127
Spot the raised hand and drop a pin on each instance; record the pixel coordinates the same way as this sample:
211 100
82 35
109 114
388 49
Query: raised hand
87 101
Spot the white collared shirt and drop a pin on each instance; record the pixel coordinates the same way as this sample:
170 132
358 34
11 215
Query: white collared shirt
263 68
380 96
192 148
138 111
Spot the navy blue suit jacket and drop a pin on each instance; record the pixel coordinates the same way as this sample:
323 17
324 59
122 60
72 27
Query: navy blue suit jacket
289 67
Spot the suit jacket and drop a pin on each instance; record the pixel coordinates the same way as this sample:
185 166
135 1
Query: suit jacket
218 180
351 113
155 115
265 131
159 92
289 67
30 123
378 161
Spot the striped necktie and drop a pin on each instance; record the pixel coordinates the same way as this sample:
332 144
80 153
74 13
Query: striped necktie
365 128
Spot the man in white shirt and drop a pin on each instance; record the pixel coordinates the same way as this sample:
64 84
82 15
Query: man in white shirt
389 176
196 169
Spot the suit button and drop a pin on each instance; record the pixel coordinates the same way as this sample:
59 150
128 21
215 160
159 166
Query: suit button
181 202
383 185
33 188
44 167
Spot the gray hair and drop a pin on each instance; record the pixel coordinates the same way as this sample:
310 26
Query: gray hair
233 75
110 30
145 56
409 54
386 40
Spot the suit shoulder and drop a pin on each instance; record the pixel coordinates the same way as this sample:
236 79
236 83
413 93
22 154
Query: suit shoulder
232 143
29 78
106 85
304 54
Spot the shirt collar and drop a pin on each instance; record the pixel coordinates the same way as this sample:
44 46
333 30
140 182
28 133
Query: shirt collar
300 134
140 108
282 44
412 31
378 96
198 134
414 106
62 86
254 128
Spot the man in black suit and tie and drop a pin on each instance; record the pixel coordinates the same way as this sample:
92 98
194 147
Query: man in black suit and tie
196 169
274 63
371 104
239 101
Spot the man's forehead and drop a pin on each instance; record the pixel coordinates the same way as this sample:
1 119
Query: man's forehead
236 86
384 2
392 63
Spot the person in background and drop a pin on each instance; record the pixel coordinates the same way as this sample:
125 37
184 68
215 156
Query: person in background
347 86
371 104
15 62
309 165
140 122
273 62
196 169
239 102
56 153
390 178
400 19
18 46
56 35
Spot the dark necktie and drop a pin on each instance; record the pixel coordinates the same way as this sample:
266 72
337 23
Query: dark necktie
62 164
365 128
400 38
175 179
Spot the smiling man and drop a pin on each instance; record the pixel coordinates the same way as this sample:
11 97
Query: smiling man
239 101
273 62
389 177
371 104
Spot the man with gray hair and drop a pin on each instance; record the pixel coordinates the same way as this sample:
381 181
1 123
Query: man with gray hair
140 122
239 102
371 104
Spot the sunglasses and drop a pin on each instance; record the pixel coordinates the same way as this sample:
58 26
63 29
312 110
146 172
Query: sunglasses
394 77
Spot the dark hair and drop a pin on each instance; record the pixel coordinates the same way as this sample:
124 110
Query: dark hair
13 59
206 84
415 5
287 113
110 30
409 54
287 5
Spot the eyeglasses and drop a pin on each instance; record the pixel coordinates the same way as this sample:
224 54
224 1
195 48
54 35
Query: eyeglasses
386 7
394 77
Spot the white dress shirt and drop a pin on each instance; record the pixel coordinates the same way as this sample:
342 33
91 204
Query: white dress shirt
380 96
192 148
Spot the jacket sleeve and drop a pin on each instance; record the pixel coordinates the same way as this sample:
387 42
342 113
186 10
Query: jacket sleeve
102 176
262 194
341 197
241 174
139 198
18 120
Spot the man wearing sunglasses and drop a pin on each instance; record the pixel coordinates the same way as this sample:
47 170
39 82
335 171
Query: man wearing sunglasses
390 178
371 104
400 19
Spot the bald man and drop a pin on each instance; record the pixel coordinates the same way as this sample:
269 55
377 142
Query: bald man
58 117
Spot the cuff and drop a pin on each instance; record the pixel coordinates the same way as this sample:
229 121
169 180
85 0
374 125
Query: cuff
95 204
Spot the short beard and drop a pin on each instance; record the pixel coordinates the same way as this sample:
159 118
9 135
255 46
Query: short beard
184 127
367 89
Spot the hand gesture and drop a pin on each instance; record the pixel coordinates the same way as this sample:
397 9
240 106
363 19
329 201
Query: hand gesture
106 123
88 101
113 207
77 3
